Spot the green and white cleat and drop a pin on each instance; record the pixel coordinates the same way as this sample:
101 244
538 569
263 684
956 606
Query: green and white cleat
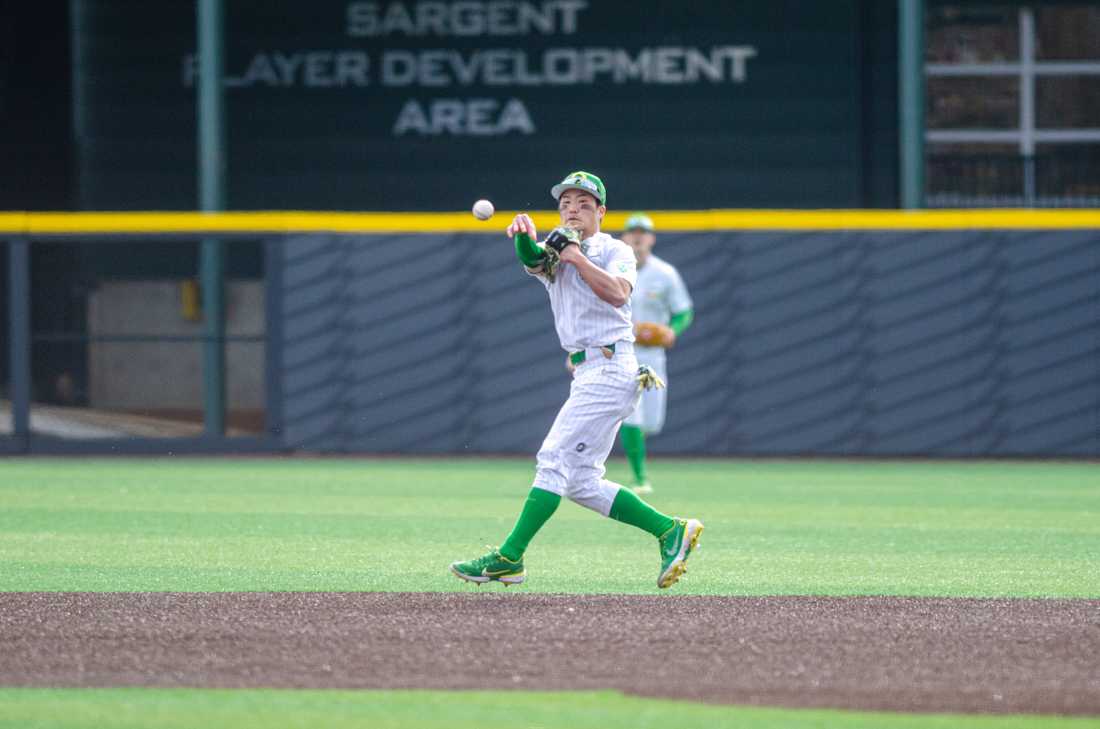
677 544
490 567
642 488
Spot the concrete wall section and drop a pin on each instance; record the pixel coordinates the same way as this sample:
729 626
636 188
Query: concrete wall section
157 375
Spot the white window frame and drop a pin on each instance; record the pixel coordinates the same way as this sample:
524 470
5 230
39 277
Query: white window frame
1026 135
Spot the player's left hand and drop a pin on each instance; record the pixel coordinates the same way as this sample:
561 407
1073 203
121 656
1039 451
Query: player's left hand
570 254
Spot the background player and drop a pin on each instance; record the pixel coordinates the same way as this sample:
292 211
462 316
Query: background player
660 297
589 277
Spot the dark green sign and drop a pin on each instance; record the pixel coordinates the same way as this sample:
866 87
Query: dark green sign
431 105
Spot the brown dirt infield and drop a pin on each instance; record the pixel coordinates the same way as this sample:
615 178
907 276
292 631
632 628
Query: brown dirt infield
884 653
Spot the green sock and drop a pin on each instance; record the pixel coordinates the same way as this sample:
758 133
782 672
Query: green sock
634 444
629 509
539 507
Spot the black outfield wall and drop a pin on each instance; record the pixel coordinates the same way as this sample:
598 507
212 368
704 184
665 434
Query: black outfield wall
957 343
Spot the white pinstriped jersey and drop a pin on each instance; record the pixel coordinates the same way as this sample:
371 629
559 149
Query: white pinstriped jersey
581 318
659 293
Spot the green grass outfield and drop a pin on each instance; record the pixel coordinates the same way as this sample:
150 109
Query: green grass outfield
189 709
773 528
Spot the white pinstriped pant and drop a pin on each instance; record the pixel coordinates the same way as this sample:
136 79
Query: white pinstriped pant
571 460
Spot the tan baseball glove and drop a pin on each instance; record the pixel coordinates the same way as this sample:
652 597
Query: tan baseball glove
652 334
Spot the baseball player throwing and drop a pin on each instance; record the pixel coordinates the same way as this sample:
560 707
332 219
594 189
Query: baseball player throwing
589 276
662 310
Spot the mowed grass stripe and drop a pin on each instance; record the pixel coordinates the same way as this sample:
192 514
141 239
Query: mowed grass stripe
248 709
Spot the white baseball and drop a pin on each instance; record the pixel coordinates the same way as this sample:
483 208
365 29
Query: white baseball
483 210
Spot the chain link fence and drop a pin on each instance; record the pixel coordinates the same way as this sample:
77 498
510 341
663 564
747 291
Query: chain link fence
1067 178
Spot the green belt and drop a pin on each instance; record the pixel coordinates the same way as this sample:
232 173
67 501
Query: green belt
577 357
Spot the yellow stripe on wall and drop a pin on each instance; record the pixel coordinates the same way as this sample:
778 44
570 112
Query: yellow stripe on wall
20 223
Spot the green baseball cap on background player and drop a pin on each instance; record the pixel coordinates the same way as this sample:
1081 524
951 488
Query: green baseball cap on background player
581 180
639 221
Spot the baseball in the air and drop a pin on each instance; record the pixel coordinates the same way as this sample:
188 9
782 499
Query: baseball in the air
483 210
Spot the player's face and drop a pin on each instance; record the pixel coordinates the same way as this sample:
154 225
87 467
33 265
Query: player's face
642 242
580 210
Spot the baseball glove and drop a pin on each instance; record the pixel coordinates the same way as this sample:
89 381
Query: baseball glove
552 247
652 334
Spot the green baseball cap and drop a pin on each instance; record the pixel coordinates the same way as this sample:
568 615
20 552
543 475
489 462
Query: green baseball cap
580 180
639 221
